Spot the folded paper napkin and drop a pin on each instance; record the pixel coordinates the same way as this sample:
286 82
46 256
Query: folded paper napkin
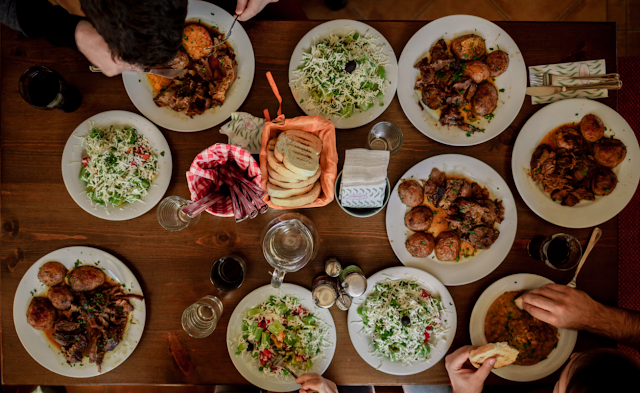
364 178
244 130
578 68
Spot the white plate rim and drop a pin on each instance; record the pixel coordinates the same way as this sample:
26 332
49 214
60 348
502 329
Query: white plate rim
415 48
141 95
72 154
28 336
258 296
557 357
361 343
340 25
585 214
463 272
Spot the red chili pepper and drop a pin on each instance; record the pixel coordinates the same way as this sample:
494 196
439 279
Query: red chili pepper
85 161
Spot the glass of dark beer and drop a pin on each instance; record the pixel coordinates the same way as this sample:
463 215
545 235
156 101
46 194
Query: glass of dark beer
43 88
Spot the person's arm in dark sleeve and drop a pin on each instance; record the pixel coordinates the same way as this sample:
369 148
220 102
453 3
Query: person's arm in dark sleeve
41 19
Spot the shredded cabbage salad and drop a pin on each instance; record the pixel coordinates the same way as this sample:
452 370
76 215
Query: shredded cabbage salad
403 320
332 90
282 327
119 165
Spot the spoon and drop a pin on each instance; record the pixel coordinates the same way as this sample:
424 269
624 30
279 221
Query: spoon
595 236
226 36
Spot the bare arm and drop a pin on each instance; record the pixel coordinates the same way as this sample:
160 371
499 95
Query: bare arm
570 308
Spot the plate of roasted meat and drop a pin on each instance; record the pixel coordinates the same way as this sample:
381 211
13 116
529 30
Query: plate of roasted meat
462 80
216 81
575 163
452 216
79 312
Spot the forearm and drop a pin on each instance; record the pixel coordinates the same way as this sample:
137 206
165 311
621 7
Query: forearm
38 18
617 324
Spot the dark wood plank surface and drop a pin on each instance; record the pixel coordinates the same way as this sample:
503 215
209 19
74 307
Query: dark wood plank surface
39 216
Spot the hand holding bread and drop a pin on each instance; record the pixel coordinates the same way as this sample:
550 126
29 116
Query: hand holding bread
294 168
502 352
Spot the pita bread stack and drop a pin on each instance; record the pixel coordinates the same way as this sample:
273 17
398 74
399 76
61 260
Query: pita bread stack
294 168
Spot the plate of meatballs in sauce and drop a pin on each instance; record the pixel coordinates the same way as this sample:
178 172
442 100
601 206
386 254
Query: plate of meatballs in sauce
462 80
216 81
575 163
452 216
79 312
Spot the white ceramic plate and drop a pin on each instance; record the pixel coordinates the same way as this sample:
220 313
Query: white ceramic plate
557 357
141 93
513 81
586 213
35 342
471 269
341 27
247 366
362 342
73 153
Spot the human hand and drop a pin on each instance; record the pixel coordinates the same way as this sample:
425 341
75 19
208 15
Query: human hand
466 379
316 383
247 9
96 50
561 306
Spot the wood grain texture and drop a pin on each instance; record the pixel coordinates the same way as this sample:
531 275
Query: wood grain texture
39 216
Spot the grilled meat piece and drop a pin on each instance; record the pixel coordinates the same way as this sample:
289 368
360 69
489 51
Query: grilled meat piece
498 61
433 97
411 193
451 194
568 138
440 60
41 314
591 128
609 152
64 325
483 237
420 244
73 352
448 246
468 47
485 100
435 186
418 219
52 273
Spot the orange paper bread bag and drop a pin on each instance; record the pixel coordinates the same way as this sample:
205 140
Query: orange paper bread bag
323 129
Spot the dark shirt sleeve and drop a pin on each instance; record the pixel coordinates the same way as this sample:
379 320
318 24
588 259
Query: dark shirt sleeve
41 19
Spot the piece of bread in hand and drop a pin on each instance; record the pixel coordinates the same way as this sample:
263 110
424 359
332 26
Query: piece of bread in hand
503 352
296 140
279 192
295 184
299 200
518 302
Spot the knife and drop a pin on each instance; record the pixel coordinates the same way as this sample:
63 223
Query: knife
163 72
541 91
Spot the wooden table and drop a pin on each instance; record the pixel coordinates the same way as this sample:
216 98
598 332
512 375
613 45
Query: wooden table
39 216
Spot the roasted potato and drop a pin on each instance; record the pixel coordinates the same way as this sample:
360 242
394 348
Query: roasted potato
52 273
468 47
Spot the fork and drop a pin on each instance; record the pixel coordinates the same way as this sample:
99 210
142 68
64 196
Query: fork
279 362
226 36
595 236
549 79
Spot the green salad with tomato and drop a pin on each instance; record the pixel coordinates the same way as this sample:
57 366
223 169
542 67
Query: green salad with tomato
119 165
281 327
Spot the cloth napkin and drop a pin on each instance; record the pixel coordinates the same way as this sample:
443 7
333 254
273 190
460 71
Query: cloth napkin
244 130
364 178
578 68
202 177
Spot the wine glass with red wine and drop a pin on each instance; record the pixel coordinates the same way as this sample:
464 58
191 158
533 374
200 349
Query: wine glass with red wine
559 251
43 88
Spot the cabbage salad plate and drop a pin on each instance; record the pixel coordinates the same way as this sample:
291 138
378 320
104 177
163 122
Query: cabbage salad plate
351 76
404 323
127 128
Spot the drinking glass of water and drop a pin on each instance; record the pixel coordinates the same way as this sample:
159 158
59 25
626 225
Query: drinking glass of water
289 242
199 320
171 216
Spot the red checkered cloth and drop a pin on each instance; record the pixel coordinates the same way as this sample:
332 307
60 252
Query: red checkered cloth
203 174
629 218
